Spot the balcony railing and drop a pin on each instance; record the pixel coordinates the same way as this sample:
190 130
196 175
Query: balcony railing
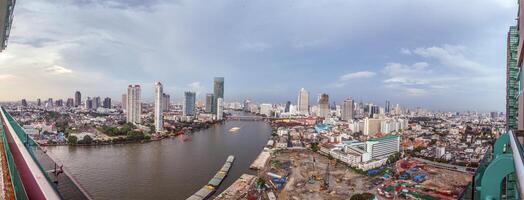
57 176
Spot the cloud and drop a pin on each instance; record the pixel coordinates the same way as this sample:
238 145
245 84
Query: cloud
405 51
196 87
4 77
452 56
415 92
342 80
56 69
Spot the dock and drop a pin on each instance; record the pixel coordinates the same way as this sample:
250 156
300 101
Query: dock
213 184
238 189
261 160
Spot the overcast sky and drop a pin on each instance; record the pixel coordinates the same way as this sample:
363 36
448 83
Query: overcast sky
439 54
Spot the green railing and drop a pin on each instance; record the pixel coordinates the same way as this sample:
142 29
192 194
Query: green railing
57 176
18 187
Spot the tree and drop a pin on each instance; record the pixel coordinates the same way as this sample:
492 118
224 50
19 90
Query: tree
314 147
87 140
72 140
363 196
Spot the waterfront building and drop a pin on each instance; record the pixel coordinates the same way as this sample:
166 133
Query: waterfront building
348 109
133 104
220 109
78 98
218 91
303 102
512 79
107 103
189 104
323 105
210 99
159 102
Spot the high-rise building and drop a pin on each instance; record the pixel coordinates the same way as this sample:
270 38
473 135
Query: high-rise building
387 107
24 103
246 105
159 103
210 99
348 109
323 105
371 126
89 103
49 103
70 102
166 102
383 147
124 102
96 102
266 109
78 98
303 102
59 103
220 109
288 105
107 103
218 91
373 109
133 104
512 82
189 104
38 102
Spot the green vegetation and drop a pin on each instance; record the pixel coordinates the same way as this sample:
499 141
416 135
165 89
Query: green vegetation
86 140
125 129
363 196
72 140
314 147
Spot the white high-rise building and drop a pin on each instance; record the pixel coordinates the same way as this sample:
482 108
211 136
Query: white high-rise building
220 109
266 109
159 104
303 102
133 104
348 110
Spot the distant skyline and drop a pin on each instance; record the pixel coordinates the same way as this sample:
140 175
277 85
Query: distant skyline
437 54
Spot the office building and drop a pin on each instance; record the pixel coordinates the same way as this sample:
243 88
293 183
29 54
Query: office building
159 110
24 103
107 103
78 99
323 105
166 102
70 102
59 103
89 103
133 104
96 102
49 103
387 107
38 102
288 105
373 110
124 102
210 99
220 109
266 109
189 106
218 91
303 102
348 109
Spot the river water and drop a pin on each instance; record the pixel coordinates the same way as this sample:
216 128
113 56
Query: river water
168 169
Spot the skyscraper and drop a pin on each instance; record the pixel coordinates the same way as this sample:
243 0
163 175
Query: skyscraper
96 102
218 92
133 104
107 103
70 102
323 105
24 103
220 109
49 103
387 107
166 102
288 104
159 102
78 98
210 99
124 102
189 104
348 109
89 103
512 81
38 102
303 102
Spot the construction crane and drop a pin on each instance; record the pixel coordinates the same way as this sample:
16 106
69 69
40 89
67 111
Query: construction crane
325 186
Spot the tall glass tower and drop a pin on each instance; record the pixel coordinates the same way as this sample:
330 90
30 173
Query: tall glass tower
218 91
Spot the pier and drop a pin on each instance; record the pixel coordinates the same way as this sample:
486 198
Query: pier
213 184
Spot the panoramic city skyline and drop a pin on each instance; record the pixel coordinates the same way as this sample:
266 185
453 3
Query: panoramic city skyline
423 55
